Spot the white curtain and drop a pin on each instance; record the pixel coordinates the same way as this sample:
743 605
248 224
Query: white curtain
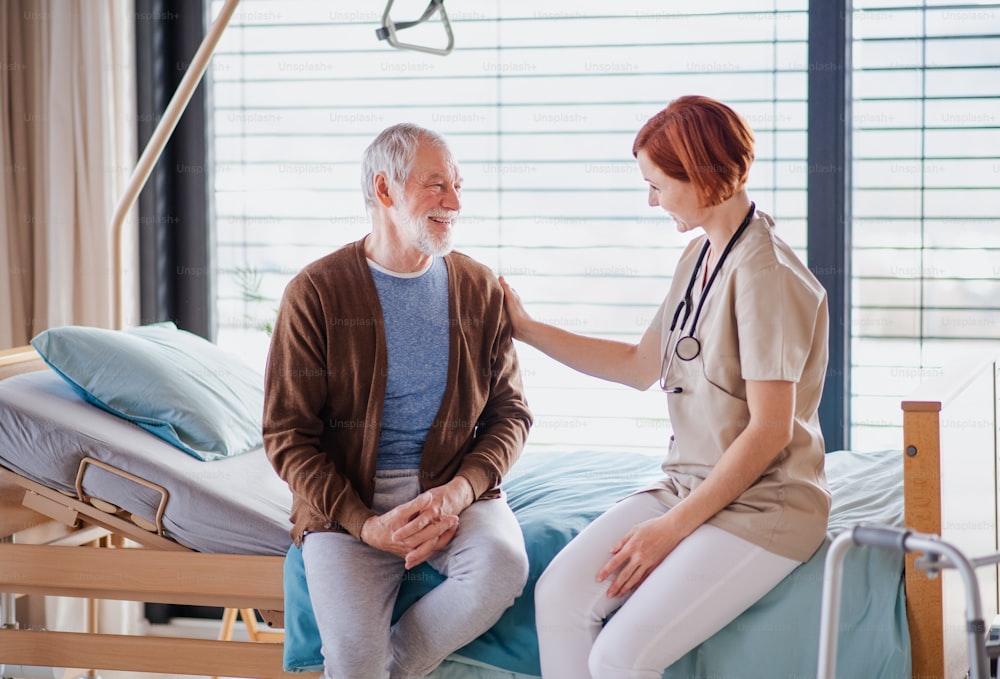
67 148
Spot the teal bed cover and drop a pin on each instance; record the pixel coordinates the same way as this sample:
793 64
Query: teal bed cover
555 495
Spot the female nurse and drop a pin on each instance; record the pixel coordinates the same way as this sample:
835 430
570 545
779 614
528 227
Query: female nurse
739 346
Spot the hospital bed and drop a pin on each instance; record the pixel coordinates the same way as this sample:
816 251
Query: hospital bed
942 482
85 495
215 533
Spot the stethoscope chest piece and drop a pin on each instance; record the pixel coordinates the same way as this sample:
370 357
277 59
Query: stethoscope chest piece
688 348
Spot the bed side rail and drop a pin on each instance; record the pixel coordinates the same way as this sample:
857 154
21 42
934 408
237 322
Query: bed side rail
226 580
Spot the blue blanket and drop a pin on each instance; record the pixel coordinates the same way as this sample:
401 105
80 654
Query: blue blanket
554 495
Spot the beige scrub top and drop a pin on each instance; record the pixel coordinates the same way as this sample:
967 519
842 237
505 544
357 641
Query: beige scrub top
765 318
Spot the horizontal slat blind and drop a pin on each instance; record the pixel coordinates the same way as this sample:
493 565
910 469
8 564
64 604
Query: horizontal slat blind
926 206
540 108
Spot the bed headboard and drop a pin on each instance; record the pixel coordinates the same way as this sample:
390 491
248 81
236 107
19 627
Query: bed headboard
19 360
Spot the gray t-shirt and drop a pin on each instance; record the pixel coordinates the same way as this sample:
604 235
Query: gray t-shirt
415 314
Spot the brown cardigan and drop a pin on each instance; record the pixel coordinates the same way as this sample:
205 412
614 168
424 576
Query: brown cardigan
325 387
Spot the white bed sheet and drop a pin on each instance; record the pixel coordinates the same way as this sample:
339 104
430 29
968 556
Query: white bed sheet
237 505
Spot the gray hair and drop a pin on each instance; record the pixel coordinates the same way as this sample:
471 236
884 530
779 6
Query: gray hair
393 153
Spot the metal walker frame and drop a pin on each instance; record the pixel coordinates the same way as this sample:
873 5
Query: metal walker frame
939 555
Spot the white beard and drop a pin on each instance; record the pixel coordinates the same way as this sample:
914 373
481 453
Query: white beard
427 242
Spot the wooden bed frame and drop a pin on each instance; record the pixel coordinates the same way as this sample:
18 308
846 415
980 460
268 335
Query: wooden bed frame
157 572
950 490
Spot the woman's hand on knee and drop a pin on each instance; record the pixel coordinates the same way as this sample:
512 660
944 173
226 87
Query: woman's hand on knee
637 554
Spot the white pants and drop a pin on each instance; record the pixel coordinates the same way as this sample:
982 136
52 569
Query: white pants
709 579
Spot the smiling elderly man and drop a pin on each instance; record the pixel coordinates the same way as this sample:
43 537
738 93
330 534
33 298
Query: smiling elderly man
393 408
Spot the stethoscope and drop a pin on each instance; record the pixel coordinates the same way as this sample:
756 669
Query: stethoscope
687 347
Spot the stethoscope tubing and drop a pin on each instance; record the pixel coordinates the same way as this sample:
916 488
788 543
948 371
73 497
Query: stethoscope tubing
688 347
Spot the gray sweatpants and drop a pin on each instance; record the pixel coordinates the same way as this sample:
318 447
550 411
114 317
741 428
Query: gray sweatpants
353 589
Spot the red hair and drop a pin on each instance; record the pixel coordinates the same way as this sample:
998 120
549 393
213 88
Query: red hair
700 140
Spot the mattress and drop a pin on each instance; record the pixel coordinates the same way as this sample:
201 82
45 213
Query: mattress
555 494
236 505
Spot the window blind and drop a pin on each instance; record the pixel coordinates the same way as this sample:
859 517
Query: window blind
540 106
926 146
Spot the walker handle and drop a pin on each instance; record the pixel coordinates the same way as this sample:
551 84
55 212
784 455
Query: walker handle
884 538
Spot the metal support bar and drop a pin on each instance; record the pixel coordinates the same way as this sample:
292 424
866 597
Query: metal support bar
159 138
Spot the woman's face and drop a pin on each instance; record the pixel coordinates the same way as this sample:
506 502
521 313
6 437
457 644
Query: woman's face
677 198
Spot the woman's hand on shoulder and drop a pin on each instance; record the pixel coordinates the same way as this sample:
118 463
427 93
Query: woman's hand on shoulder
518 315
635 365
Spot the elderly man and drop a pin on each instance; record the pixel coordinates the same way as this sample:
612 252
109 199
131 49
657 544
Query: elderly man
393 408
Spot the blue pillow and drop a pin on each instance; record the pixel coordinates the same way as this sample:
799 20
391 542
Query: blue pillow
171 383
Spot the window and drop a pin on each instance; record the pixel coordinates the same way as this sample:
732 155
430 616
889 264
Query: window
540 107
926 231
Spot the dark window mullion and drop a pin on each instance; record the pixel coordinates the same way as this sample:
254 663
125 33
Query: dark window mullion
175 238
829 200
